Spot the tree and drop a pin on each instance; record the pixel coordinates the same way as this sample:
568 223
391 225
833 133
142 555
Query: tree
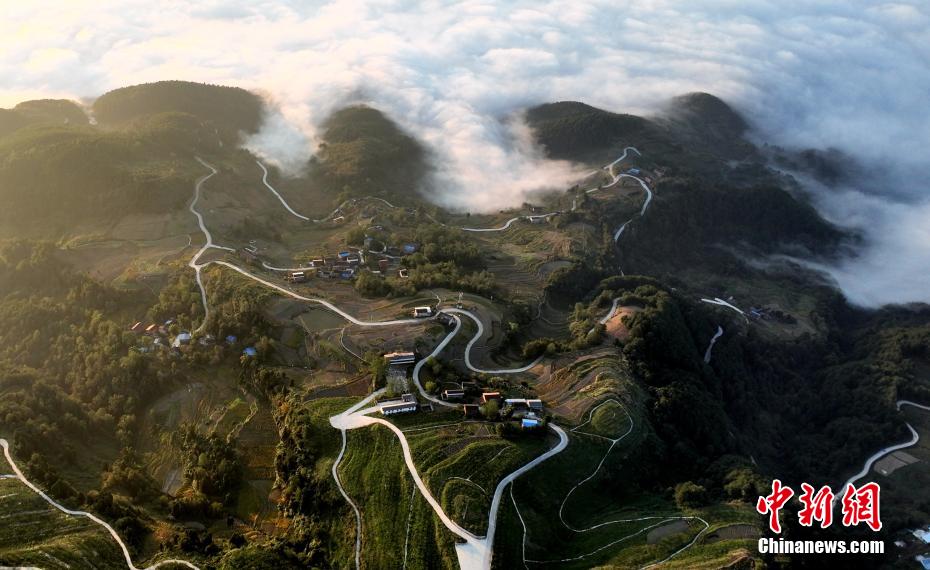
689 495
490 409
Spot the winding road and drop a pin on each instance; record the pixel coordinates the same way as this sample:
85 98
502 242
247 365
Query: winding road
713 341
19 475
614 179
275 192
661 519
887 450
475 552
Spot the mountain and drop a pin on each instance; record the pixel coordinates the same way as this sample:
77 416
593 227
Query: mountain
573 131
136 159
363 152
55 178
41 111
228 109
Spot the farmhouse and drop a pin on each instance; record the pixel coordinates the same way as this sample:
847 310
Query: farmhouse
422 312
400 358
297 277
403 407
488 396
137 328
182 339
453 394
471 411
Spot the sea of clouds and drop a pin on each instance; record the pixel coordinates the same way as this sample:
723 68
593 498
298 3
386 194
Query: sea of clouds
844 74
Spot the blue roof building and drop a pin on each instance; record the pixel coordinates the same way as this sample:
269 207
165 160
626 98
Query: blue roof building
250 351
529 423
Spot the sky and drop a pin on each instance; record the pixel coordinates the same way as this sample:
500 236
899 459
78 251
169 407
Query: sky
843 74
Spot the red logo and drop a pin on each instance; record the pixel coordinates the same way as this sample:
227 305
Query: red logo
773 503
859 505
817 507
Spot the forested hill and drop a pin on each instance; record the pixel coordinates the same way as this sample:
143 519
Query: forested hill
55 178
227 108
696 133
61 175
573 130
363 152
41 111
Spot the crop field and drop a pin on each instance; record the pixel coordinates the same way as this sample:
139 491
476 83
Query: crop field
35 534
572 385
555 516
397 523
462 464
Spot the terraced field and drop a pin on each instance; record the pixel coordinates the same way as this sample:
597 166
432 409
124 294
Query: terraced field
33 533
462 464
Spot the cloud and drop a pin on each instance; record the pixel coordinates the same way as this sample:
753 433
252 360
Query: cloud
851 75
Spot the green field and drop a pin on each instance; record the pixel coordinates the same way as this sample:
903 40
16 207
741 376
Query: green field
394 514
33 533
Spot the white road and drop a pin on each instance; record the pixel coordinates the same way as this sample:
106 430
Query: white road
660 519
611 312
885 451
474 339
322 302
19 475
207 244
275 192
713 341
722 303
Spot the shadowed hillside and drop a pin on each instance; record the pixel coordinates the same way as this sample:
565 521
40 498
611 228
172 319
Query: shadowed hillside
363 152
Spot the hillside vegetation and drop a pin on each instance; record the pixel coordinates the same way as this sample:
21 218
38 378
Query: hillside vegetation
135 160
365 153
92 176
41 111
228 108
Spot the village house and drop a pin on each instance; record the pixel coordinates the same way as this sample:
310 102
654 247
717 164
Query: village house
471 411
422 312
453 394
488 396
400 358
407 405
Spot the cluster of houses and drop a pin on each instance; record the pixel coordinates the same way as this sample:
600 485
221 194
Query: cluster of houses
345 265
161 339
528 411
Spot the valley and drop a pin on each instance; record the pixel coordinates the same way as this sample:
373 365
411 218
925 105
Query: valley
330 371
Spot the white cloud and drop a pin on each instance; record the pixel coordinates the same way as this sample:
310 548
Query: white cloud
852 75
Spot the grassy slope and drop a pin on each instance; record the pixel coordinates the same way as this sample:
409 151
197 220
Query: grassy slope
375 476
33 533
539 495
